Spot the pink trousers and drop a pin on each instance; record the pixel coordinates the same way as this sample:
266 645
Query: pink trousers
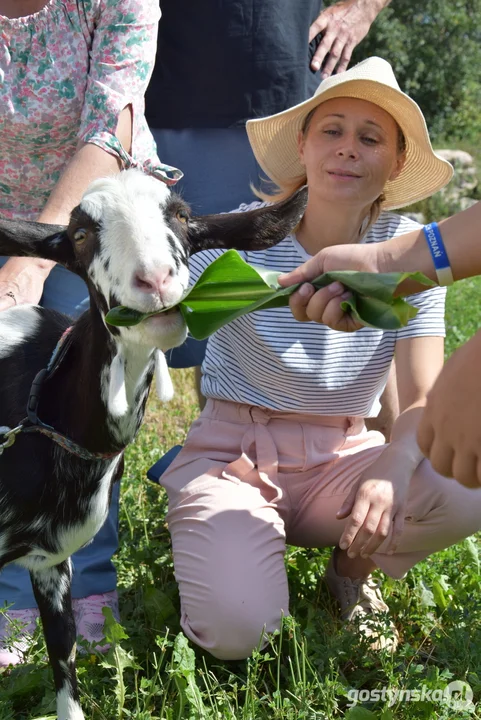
250 480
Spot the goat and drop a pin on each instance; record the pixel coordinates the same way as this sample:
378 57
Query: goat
129 239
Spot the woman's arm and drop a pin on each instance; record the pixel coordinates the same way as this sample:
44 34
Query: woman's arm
376 506
461 234
25 277
121 62
389 412
89 162
418 364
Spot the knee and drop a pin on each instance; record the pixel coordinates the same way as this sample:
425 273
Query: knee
234 631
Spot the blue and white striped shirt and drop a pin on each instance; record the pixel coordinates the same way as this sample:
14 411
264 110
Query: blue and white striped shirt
269 359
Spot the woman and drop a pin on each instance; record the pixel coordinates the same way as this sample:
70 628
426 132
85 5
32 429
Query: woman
73 76
281 453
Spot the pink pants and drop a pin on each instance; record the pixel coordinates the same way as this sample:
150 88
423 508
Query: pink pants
247 481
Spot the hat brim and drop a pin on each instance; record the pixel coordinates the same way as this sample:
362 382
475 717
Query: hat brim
274 141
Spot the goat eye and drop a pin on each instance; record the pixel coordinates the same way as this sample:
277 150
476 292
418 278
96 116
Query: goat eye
182 217
79 236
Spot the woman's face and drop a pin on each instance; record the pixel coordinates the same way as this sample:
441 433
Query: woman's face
350 150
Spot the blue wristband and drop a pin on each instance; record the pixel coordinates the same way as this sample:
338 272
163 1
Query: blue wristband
438 254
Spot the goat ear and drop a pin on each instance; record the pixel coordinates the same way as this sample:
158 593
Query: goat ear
251 230
21 238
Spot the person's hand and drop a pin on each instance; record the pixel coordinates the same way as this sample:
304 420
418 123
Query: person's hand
21 281
449 433
376 507
343 25
324 306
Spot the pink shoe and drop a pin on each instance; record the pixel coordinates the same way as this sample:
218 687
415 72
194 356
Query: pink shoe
89 619
21 625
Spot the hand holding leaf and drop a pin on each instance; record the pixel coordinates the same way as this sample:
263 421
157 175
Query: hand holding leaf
229 287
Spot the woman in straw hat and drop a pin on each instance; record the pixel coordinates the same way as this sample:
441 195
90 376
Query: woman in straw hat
281 454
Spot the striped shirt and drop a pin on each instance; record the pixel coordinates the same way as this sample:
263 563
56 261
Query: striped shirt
268 359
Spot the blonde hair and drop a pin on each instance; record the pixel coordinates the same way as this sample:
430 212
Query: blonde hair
289 188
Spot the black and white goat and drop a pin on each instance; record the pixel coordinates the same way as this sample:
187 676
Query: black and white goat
129 239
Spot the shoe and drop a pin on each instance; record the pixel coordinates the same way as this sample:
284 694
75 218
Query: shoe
361 599
89 619
17 628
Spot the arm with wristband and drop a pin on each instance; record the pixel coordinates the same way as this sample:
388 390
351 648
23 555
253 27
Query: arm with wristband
460 237
450 250
449 433
438 254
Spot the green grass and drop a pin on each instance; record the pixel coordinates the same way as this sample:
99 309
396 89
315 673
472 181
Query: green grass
309 669
463 312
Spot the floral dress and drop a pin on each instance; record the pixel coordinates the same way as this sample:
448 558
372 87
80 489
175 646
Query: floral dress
66 73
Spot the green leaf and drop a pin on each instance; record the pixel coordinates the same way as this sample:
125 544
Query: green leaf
376 285
158 606
124 317
229 288
425 595
387 715
114 632
183 670
472 552
439 596
360 713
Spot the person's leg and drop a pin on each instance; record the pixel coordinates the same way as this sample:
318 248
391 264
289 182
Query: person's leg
228 542
439 512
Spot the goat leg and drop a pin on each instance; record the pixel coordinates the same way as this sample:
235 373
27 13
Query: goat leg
51 588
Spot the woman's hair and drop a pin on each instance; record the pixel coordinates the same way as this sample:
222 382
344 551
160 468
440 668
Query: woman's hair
286 190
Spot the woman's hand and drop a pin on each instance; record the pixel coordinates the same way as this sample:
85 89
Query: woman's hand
22 281
376 507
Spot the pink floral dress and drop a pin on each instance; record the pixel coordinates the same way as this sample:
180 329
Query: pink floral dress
66 73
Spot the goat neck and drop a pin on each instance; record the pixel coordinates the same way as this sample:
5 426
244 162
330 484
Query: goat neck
97 396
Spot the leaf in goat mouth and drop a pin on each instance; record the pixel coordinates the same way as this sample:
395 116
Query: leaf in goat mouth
122 316
229 288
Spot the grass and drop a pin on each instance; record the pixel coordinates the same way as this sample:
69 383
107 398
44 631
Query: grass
312 669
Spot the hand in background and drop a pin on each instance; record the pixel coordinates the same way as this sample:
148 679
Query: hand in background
343 26
22 281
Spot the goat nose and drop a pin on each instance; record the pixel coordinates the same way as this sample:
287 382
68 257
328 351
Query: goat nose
154 281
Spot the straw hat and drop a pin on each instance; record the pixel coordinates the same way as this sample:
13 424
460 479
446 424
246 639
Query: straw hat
274 139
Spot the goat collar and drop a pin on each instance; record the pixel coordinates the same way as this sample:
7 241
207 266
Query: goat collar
32 422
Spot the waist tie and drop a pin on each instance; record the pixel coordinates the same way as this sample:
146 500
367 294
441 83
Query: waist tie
258 450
